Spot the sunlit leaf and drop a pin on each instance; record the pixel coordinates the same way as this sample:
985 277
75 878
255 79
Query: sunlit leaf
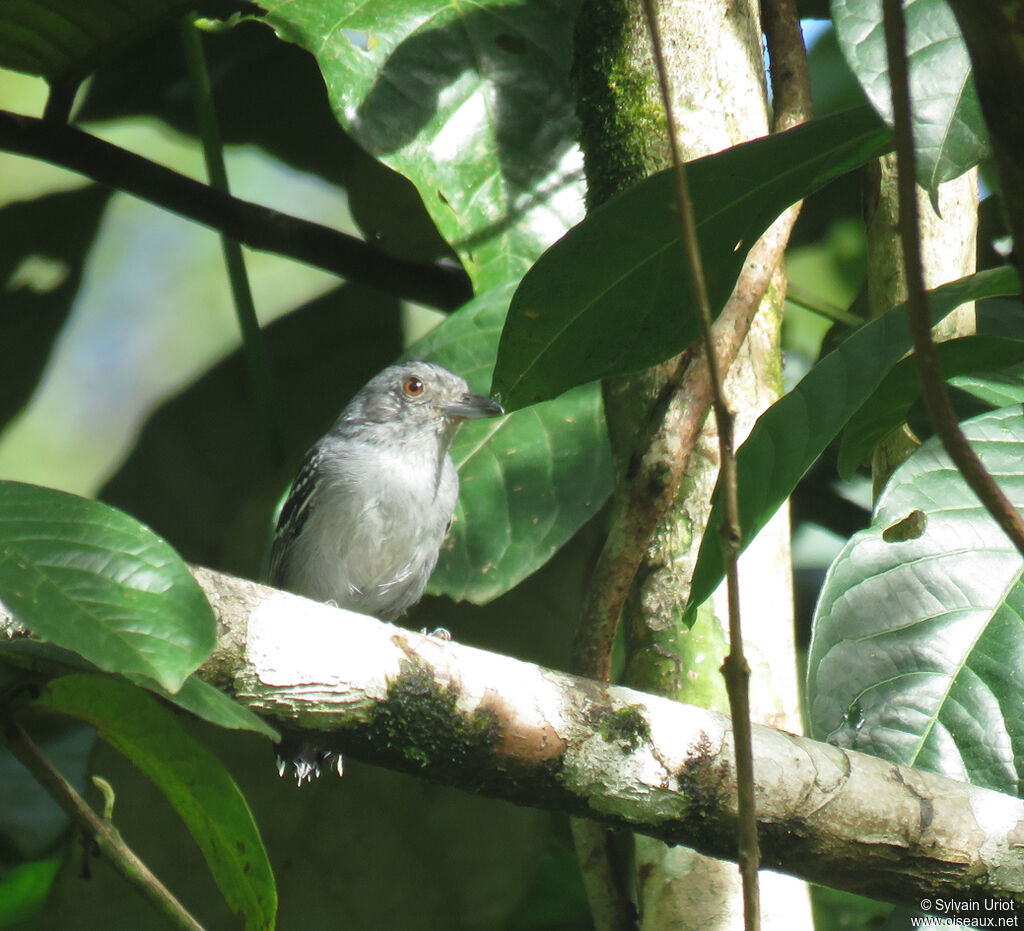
918 649
949 133
470 102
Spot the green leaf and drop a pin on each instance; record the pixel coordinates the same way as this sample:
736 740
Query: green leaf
996 389
195 695
794 431
94 580
68 38
194 781
471 102
529 481
211 704
949 133
45 244
24 889
887 407
917 654
614 296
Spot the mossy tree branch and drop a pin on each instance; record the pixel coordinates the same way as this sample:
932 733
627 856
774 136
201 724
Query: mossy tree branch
511 730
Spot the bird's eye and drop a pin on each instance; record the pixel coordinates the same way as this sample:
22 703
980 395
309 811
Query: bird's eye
413 387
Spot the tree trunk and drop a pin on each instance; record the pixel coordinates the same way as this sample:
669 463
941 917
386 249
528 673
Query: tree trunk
714 54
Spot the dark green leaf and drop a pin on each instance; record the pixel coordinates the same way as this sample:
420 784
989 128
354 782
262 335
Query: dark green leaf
45 243
24 889
195 696
252 73
918 650
194 781
211 704
614 296
67 38
94 580
470 102
949 133
795 430
529 481
887 407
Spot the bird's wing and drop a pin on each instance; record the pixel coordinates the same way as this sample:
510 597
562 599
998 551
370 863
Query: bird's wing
297 508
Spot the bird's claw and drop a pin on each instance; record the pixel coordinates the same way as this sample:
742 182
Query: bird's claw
308 769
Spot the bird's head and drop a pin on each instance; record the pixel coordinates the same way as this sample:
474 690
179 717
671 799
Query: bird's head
417 397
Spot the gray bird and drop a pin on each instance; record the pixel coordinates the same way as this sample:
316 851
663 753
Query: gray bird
366 516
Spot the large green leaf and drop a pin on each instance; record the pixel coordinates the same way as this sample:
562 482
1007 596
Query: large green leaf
887 407
614 295
192 778
471 102
794 431
917 654
949 133
529 481
94 580
67 38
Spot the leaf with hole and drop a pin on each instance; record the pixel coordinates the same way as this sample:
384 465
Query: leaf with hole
795 430
917 654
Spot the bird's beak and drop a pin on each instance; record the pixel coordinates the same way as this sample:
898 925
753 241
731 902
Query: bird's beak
474 407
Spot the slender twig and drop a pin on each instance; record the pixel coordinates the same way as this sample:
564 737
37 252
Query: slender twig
245 308
250 224
107 837
933 385
61 100
735 667
791 78
808 301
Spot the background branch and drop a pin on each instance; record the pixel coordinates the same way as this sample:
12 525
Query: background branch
250 224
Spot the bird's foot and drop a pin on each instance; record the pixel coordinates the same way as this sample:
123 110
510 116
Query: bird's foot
307 761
